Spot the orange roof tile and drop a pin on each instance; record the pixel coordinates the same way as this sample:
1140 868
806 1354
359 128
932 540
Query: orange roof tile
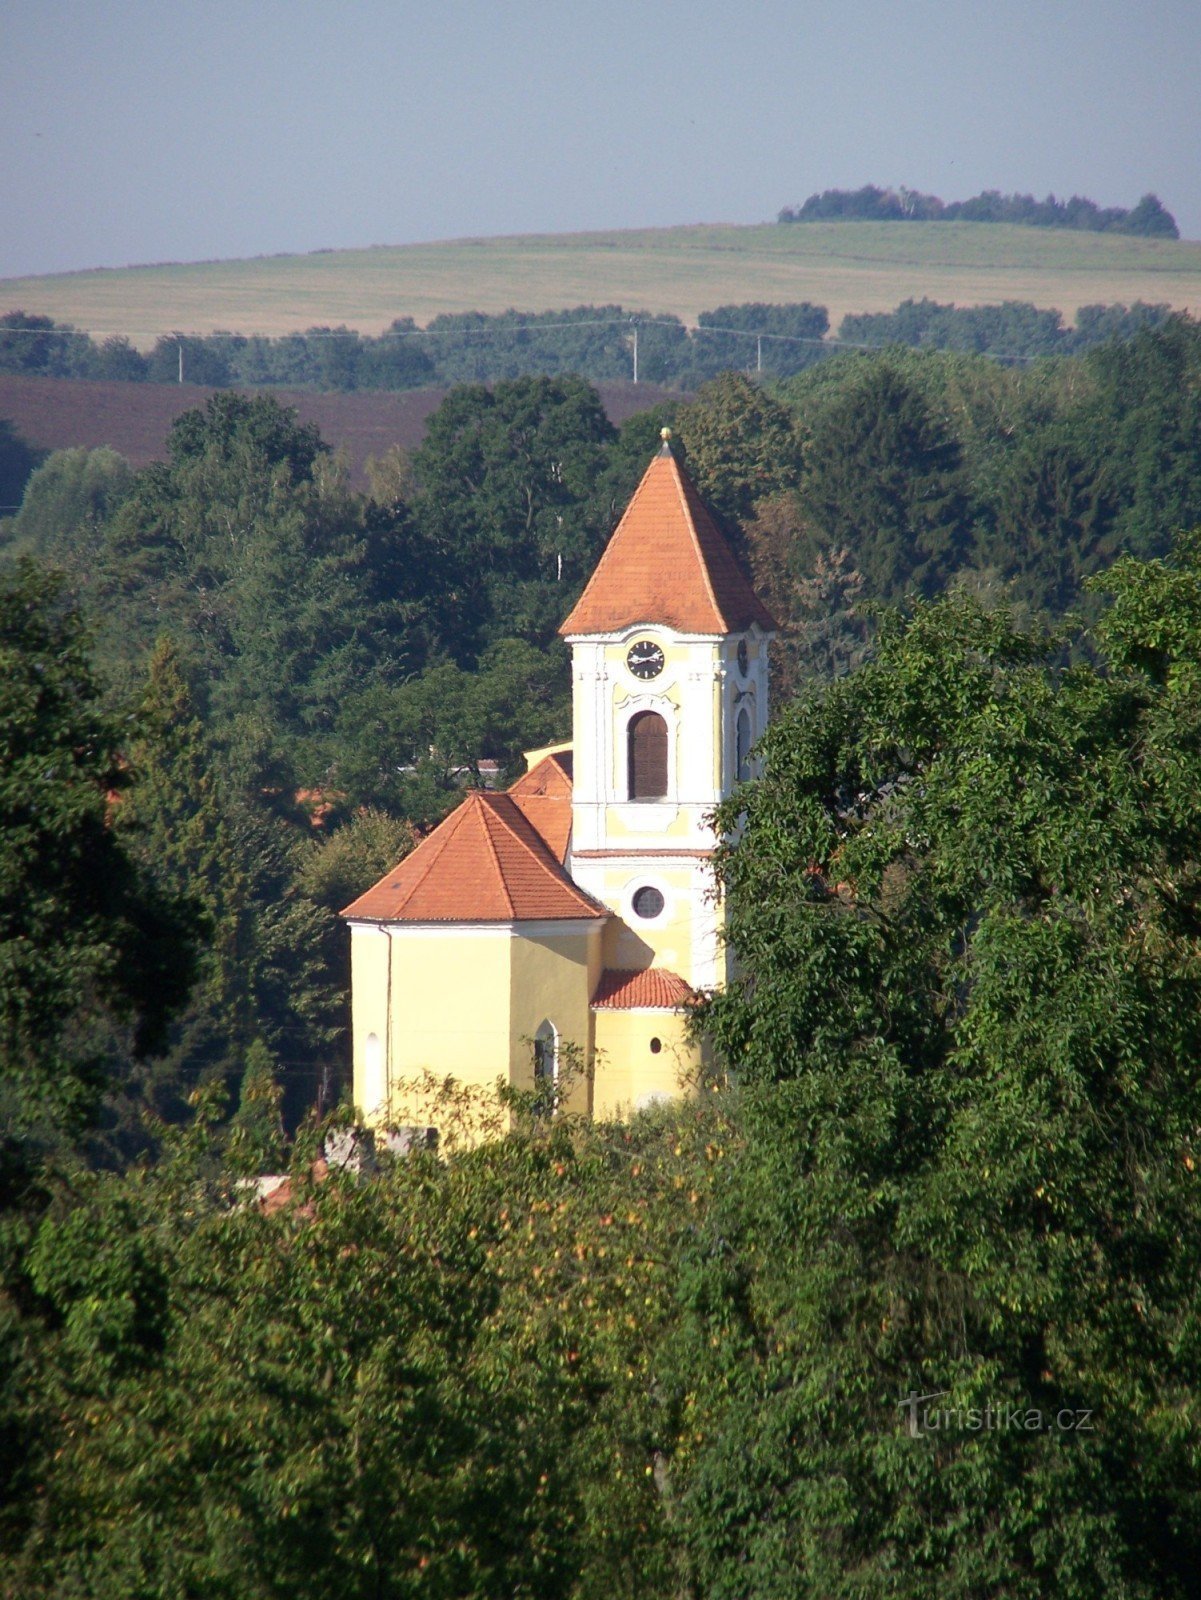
668 563
543 796
655 988
485 863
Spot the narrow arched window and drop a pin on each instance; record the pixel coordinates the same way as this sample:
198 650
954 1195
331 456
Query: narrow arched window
648 756
742 744
375 1087
546 1055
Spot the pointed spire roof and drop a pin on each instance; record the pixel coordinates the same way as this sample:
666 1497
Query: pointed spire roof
667 562
486 863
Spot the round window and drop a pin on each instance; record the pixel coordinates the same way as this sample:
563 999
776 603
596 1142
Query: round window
648 902
656 1046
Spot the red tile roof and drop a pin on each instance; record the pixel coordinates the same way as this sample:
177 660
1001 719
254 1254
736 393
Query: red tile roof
543 796
486 863
654 988
667 563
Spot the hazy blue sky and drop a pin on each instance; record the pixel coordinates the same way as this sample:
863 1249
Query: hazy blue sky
153 130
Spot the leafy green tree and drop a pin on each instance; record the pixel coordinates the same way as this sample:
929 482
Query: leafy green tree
18 459
965 900
344 864
504 486
117 361
84 935
416 745
66 503
784 338
325 1399
883 480
212 830
248 544
443 1379
256 1136
740 444
204 360
37 346
1150 218
1145 420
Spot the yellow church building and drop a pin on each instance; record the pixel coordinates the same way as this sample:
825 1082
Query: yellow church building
570 919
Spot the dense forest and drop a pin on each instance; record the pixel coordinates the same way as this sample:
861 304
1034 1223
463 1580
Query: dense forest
593 342
955 1159
1149 219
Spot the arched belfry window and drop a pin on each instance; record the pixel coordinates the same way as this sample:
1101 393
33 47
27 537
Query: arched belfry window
742 744
648 756
546 1055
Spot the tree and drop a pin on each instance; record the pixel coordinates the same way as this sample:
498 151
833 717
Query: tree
247 544
211 829
203 361
414 746
883 480
740 446
965 901
38 346
84 934
505 479
18 459
1151 218
66 503
779 339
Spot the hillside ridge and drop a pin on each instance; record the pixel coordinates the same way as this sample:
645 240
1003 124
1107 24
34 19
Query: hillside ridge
846 266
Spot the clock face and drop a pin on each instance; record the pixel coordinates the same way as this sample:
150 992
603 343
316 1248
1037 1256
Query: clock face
645 659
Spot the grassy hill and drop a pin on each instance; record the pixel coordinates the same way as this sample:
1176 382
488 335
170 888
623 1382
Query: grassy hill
846 266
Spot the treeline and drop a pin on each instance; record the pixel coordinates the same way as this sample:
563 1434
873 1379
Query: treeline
594 342
1148 219
1013 330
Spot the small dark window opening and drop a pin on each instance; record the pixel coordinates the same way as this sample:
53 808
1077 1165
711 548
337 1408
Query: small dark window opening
742 740
648 901
656 1046
648 756
546 1052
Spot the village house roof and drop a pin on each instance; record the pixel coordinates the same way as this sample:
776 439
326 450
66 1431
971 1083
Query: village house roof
667 563
496 858
653 989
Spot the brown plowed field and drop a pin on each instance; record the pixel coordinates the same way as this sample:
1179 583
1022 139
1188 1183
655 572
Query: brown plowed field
133 418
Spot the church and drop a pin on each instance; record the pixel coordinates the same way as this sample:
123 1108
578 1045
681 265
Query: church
556 932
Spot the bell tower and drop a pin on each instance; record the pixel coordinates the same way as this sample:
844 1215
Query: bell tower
669 669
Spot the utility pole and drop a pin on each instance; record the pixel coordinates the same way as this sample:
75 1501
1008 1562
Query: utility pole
635 352
180 343
758 352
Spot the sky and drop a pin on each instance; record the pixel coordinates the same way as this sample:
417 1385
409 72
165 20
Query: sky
177 130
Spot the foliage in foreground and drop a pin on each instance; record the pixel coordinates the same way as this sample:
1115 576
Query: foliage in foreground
967 897
439 1380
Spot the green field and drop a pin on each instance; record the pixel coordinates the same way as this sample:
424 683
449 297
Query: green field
846 266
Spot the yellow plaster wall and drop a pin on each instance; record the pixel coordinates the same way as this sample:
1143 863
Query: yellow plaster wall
450 1005
449 1015
466 1005
633 943
627 1070
368 1011
553 979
